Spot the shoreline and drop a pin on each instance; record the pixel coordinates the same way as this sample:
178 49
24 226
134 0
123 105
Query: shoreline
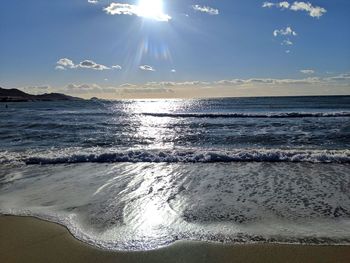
28 239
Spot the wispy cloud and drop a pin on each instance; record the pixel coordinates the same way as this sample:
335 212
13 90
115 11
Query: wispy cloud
137 10
285 33
313 11
287 42
340 77
93 1
147 68
283 4
288 31
117 67
307 71
309 85
58 67
206 9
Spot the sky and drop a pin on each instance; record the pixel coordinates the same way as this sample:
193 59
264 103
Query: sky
176 49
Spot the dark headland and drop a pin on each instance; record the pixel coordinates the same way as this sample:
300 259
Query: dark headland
16 95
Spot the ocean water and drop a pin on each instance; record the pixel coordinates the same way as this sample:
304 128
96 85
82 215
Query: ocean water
142 174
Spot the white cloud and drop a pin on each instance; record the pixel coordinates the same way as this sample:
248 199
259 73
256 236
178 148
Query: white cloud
89 64
288 31
268 5
287 42
66 63
37 89
60 67
145 90
269 81
206 9
137 10
117 67
127 85
121 9
147 68
341 77
308 85
314 11
93 1
307 71
173 71
87 88
282 5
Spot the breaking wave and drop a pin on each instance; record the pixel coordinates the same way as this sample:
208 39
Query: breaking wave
252 115
73 155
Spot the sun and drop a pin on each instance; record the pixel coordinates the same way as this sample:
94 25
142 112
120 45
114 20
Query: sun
152 9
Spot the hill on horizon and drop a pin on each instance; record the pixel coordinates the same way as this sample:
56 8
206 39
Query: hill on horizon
16 95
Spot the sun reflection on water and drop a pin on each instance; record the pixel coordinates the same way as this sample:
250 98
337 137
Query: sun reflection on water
155 132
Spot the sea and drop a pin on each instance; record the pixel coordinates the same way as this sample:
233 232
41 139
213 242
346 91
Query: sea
137 175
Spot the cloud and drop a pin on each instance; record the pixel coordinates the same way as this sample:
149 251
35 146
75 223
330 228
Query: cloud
283 5
268 5
60 67
128 9
87 88
341 77
117 67
307 71
37 89
89 64
66 63
288 31
284 32
146 90
287 42
93 1
206 9
147 68
314 11
127 85
81 89
173 71
235 87
268 81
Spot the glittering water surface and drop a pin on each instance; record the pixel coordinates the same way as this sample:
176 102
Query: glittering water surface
136 175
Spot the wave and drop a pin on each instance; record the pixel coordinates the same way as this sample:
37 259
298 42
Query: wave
252 115
73 155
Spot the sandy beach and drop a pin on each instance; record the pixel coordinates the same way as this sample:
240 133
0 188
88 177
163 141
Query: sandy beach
26 239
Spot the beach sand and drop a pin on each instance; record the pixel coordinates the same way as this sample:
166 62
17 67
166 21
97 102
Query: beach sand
26 239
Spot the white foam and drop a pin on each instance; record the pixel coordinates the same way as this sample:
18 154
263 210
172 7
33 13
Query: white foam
102 155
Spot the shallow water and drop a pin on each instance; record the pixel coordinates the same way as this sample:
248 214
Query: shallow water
138 175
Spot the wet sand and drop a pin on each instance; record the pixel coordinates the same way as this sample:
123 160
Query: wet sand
26 239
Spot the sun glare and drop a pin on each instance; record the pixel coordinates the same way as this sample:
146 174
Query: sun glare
152 9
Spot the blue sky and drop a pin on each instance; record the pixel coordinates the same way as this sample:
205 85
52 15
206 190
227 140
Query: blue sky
194 46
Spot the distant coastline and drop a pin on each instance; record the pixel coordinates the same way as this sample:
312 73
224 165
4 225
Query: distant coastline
16 95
